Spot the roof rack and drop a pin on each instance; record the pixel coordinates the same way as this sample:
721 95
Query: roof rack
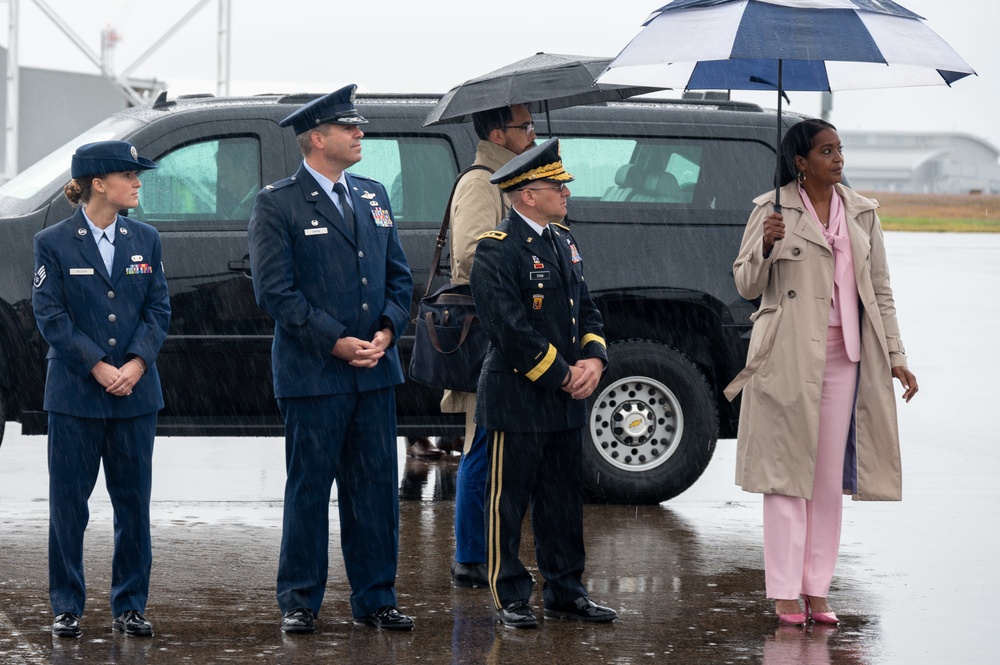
727 104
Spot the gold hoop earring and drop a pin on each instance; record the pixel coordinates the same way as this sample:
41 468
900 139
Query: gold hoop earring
801 177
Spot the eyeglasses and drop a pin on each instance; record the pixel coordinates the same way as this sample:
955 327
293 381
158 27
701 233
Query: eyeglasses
528 127
561 188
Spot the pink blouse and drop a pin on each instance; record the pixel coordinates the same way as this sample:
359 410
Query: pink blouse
844 303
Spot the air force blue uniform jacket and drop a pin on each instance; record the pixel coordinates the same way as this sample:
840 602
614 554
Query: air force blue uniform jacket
87 316
320 283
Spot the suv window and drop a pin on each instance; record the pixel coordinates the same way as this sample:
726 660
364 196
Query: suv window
693 173
417 171
214 180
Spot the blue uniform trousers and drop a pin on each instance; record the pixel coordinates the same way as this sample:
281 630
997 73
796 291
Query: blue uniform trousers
349 438
470 497
77 448
543 470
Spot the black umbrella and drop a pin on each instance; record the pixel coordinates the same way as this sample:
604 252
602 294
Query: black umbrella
542 82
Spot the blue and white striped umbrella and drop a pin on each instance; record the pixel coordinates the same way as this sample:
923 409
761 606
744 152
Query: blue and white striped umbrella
819 45
822 45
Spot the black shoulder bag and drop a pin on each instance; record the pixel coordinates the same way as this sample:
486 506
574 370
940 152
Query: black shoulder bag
449 343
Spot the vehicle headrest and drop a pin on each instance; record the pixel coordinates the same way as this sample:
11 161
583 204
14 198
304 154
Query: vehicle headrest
662 184
629 175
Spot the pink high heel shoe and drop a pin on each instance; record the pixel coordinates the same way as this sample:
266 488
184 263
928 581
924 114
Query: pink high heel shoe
792 619
827 618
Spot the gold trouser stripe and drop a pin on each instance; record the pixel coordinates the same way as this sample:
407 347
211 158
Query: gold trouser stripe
493 537
591 337
542 367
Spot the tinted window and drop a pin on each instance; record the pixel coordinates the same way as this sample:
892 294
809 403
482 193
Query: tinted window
418 172
690 173
213 180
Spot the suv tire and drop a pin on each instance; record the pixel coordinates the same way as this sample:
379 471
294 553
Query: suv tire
652 426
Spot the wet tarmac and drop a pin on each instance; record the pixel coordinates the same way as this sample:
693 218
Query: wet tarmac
915 581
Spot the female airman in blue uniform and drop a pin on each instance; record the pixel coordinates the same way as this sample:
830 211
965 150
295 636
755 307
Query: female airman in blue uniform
100 301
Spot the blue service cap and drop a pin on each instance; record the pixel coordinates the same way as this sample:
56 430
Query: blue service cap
104 157
336 108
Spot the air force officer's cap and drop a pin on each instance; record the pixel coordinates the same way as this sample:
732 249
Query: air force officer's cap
540 163
336 108
104 157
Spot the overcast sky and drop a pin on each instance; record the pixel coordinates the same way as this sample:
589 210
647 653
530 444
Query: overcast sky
405 46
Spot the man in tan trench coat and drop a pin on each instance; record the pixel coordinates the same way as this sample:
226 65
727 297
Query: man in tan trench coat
477 207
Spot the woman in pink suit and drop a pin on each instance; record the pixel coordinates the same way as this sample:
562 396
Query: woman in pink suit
818 418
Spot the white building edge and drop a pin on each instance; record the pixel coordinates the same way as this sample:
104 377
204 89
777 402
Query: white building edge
921 162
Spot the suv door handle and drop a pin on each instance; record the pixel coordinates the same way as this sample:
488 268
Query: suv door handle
241 265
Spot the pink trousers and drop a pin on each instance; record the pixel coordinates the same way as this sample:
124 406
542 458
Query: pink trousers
802 536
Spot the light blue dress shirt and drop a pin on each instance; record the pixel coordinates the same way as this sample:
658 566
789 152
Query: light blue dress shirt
327 186
105 239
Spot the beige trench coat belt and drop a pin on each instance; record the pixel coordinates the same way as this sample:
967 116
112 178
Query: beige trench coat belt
736 385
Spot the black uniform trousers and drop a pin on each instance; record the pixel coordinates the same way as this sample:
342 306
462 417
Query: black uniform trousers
77 448
349 438
543 470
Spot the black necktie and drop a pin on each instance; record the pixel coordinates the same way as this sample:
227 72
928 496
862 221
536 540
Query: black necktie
551 238
346 208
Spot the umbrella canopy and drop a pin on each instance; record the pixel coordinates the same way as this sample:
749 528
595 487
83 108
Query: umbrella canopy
542 82
818 45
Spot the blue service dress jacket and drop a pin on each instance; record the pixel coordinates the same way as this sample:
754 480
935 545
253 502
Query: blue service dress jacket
320 283
87 315
533 300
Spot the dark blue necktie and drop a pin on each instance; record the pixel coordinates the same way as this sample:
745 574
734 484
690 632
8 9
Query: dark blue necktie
346 208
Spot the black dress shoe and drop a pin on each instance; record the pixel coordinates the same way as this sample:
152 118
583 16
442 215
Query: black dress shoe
518 615
582 609
132 622
66 625
469 575
387 617
424 449
299 620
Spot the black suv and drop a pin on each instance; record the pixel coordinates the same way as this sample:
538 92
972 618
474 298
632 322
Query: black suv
660 201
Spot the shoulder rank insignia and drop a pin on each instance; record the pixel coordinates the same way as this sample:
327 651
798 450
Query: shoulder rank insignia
562 226
493 235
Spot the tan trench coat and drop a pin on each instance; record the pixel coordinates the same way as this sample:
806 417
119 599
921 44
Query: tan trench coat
478 207
779 418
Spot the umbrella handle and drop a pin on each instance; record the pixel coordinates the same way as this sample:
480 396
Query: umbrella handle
777 146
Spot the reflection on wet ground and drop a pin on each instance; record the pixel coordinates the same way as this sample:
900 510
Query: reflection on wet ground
685 578
914 582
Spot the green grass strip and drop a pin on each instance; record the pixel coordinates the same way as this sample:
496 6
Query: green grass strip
932 225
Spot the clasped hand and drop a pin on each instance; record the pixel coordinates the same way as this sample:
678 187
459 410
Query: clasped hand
361 353
584 377
117 381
